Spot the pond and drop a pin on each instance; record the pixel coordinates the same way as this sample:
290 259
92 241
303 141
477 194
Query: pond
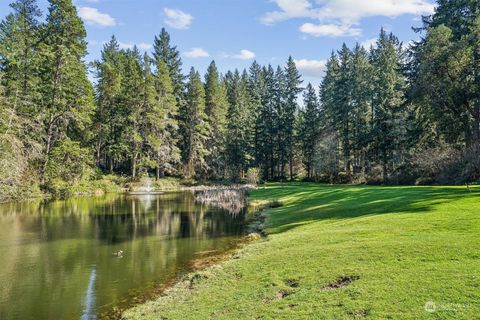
64 260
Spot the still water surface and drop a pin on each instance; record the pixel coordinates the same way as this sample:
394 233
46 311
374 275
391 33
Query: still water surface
57 258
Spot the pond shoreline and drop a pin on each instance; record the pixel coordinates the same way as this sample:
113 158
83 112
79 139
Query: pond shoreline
203 267
331 244
157 291
162 238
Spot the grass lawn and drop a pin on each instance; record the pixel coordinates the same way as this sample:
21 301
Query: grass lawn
345 252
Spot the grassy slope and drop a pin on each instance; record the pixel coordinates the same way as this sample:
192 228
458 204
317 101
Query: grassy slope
408 245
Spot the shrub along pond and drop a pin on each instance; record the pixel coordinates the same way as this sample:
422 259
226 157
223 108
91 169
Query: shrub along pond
92 257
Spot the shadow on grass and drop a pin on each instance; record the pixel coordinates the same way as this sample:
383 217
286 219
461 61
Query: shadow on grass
308 202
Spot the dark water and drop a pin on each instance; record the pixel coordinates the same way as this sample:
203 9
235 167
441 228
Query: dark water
57 261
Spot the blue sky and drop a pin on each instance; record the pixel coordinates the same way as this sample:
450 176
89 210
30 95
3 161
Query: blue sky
234 32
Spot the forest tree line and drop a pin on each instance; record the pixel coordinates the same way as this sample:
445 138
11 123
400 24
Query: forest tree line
387 114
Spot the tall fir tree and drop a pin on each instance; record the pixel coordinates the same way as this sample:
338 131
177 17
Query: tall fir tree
19 61
256 92
388 101
19 38
66 95
164 120
310 128
108 119
216 108
328 99
447 60
238 140
292 90
266 125
196 128
133 105
361 95
344 109
165 51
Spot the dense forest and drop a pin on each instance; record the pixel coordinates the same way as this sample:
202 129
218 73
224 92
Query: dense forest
389 114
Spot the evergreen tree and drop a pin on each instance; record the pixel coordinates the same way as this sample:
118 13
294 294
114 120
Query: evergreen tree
197 129
216 110
19 37
163 139
66 100
109 119
133 104
256 93
163 50
266 125
328 99
238 125
361 95
446 75
280 151
388 101
344 109
309 128
19 62
292 90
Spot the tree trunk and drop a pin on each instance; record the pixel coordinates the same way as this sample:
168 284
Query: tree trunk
476 127
134 166
384 160
47 150
291 166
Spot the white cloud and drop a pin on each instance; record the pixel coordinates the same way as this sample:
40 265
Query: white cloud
130 45
337 15
367 44
196 53
289 9
329 30
93 16
177 19
311 68
243 55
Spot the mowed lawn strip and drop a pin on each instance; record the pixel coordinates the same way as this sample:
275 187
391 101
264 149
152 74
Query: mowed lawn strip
345 252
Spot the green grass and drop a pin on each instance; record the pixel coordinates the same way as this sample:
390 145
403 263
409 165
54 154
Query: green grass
407 245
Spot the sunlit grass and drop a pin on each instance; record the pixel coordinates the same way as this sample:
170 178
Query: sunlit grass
408 246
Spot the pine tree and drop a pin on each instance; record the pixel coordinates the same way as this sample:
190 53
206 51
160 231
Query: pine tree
447 60
196 128
108 119
256 93
292 90
216 111
133 106
328 98
309 128
66 94
238 141
163 50
343 115
388 101
19 61
361 95
19 36
267 125
163 139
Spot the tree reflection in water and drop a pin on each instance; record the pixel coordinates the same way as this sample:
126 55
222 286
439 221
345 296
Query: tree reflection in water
48 249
